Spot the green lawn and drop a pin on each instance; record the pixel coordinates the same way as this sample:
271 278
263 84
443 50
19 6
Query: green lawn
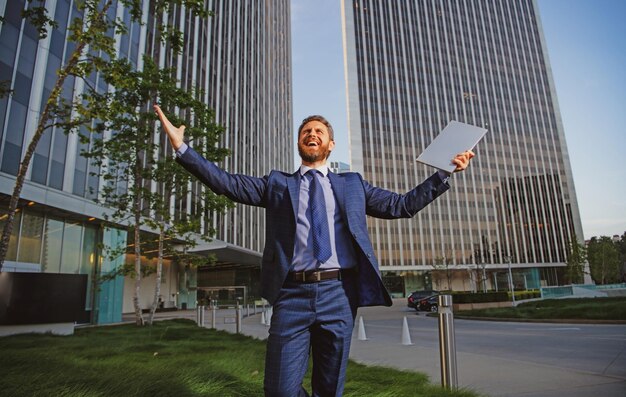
588 309
170 358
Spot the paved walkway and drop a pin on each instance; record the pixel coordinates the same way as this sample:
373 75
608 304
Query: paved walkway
484 373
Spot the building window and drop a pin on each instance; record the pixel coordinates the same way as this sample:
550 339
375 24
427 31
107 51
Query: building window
30 238
52 243
12 249
70 254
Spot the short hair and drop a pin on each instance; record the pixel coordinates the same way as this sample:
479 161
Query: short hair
321 119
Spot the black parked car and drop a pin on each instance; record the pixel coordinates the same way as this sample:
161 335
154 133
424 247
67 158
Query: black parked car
415 297
429 304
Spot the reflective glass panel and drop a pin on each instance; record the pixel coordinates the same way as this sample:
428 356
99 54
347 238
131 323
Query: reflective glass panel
30 238
12 250
88 259
70 258
53 239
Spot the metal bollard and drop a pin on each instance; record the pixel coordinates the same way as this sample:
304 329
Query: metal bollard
238 318
447 348
200 315
213 314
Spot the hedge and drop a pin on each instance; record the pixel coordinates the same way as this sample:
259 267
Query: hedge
480 297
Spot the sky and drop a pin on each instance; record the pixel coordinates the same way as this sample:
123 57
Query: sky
586 41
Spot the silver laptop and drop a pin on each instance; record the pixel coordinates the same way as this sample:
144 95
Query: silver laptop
456 138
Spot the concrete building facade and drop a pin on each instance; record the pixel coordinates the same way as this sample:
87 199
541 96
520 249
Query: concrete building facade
413 66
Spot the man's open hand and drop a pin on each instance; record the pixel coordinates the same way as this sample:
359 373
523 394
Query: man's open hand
175 134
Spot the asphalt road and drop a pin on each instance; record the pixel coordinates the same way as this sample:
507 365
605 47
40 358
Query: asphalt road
502 358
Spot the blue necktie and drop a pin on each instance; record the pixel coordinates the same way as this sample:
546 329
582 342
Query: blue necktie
319 220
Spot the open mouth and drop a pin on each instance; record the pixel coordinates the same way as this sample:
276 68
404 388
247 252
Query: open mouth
312 144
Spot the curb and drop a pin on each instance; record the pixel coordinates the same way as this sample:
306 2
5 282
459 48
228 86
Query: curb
540 320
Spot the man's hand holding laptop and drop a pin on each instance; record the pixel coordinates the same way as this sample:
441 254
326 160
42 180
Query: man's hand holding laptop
462 160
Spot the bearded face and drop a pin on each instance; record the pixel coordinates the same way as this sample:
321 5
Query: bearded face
314 143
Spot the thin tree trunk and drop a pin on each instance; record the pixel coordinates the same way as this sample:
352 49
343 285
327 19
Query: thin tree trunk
138 316
137 187
159 277
41 126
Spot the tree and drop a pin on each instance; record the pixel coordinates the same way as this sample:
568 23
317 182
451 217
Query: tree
136 161
445 265
183 229
576 259
604 261
483 254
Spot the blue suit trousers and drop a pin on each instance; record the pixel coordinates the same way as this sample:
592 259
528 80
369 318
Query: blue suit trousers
310 319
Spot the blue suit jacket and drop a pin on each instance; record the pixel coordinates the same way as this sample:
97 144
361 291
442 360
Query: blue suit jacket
278 194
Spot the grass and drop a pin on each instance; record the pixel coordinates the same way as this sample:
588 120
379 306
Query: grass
170 358
588 309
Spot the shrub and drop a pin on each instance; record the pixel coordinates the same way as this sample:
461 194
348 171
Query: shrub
531 294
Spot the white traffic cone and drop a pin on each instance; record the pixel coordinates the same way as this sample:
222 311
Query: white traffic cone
361 332
406 336
268 317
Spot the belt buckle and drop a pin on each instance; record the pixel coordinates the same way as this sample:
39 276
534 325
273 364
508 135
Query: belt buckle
317 276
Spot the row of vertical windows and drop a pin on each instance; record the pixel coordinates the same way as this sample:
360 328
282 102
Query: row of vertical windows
250 90
53 245
414 62
48 163
241 59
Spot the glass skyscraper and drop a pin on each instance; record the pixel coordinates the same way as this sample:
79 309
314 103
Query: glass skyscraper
240 58
412 66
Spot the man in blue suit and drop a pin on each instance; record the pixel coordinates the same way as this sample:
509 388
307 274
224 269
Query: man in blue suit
318 263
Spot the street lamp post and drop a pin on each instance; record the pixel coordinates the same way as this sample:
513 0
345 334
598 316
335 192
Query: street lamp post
511 288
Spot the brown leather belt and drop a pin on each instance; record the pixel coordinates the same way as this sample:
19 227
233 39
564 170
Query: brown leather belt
319 275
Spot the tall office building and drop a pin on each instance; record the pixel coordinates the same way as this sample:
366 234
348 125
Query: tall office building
412 66
240 58
249 63
250 90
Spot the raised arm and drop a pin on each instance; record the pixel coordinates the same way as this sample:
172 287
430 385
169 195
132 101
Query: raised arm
239 188
382 203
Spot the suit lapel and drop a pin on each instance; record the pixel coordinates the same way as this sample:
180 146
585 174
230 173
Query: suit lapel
293 184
